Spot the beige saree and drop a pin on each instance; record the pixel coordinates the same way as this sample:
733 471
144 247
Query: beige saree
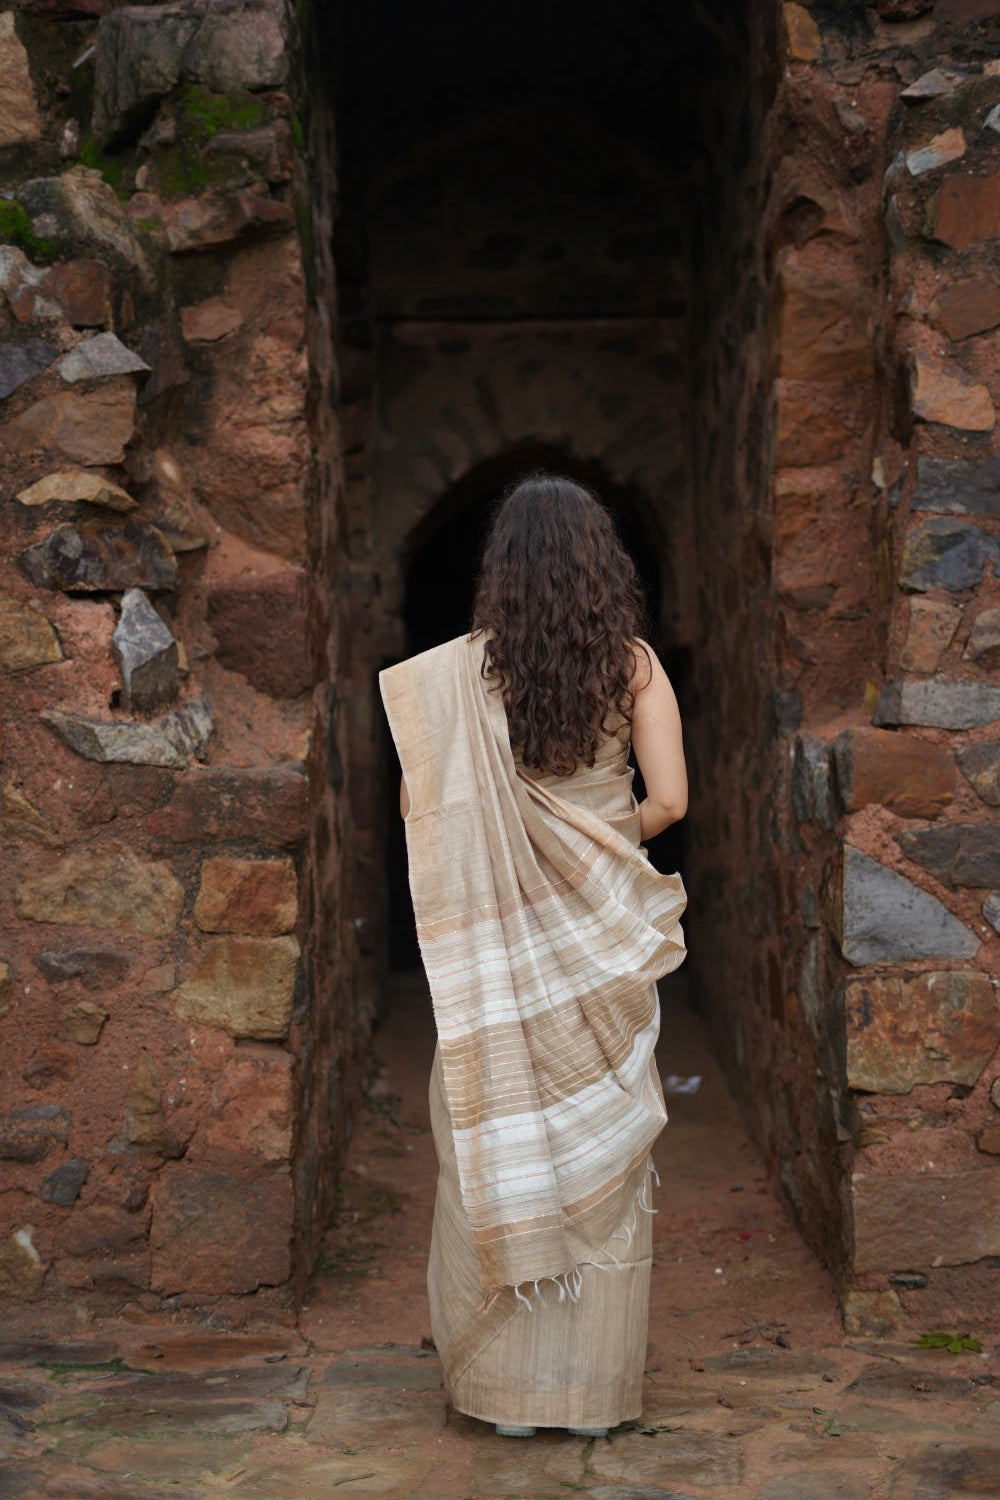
543 929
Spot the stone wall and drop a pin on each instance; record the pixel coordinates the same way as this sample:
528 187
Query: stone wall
770 333
881 219
177 962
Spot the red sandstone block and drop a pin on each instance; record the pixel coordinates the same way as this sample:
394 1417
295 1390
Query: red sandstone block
968 210
967 307
934 1027
812 428
914 777
252 1102
821 327
221 1227
247 895
260 626
906 1222
267 804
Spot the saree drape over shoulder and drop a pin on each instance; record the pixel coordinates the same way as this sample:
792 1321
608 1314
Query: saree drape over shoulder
543 929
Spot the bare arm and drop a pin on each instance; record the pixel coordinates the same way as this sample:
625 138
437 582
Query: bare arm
658 743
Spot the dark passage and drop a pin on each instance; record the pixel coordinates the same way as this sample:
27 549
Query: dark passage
526 209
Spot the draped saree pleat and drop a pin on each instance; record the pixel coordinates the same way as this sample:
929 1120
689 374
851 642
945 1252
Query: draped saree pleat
543 930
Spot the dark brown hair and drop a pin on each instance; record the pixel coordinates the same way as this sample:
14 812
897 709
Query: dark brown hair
561 602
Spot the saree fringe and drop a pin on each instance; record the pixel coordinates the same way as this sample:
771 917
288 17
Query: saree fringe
570 1284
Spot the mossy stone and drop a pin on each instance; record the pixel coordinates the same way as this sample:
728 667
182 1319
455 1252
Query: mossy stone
15 229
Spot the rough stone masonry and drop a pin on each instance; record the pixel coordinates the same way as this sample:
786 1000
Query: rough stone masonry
194 598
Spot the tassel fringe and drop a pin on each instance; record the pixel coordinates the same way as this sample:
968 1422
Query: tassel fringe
569 1284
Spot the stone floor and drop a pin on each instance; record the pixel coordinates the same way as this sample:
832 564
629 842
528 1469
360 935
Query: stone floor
752 1388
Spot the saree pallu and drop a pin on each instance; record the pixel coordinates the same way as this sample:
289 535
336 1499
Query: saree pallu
543 929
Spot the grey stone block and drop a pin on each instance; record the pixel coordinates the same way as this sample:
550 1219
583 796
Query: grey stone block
945 553
938 702
961 488
955 853
98 357
63 1185
93 559
22 362
885 918
146 653
813 793
170 740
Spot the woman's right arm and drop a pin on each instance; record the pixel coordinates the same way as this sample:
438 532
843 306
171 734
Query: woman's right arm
657 740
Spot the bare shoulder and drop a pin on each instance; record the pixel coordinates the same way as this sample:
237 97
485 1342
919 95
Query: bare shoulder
649 671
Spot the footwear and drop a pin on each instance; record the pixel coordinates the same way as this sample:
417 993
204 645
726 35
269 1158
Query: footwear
511 1429
588 1431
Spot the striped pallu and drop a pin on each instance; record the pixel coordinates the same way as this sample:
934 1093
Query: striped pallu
543 929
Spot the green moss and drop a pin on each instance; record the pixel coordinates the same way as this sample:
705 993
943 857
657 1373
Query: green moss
109 169
298 134
185 167
15 229
202 114
183 170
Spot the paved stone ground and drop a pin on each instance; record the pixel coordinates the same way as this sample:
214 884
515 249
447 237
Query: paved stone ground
752 1388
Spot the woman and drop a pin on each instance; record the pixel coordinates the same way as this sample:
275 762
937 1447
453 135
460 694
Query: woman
543 929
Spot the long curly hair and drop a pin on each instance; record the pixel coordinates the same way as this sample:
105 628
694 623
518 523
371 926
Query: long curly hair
560 601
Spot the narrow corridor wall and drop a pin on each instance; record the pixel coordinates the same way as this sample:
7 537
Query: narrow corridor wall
868 1050
177 966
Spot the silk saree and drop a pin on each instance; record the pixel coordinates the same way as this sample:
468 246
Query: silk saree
543 929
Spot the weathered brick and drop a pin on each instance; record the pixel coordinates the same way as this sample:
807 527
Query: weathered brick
821 333
904 1221
932 626
912 776
936 1027
246 895
944 393
221 1227
967 307
252 1102
968 210
260 626
234 803
244 985
104 887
